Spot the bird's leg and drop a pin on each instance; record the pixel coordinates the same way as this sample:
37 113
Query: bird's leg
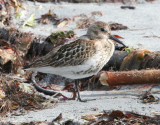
77 90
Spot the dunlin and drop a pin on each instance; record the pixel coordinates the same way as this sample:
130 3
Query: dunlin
79 58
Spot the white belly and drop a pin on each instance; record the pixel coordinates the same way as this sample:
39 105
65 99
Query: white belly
73 72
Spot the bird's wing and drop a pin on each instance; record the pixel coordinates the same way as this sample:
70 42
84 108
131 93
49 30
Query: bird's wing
72 54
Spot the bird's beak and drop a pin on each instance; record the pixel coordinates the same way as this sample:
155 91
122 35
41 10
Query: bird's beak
117 40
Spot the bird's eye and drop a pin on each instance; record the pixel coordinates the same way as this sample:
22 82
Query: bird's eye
102 29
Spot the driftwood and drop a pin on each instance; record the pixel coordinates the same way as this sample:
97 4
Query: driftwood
130 77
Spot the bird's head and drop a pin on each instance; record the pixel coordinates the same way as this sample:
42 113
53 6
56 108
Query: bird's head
101 30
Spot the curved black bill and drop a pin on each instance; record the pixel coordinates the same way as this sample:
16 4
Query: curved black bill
117 40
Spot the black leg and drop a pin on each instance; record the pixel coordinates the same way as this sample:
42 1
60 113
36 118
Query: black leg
77 90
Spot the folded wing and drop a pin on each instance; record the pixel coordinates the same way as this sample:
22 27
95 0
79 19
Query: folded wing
72 54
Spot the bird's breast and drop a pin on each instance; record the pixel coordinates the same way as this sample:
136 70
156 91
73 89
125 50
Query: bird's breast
104 51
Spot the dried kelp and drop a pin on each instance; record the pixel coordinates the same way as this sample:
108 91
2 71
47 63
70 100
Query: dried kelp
123 118
48 18
117 26
20 96
13 46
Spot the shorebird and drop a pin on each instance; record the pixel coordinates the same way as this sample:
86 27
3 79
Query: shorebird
80 58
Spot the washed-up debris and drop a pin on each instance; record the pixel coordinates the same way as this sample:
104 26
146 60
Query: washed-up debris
15 40
53 18
59 117
18 97
54 40
16 4
13 46
123 118
131 59
6 55
48 18
147 97
97 13
66 122
90 117
2 16
127 7
116 117
129 49
43 1
29 21
117 26
2 93
59 38
85 23
153 36
6 10
64 22
84 20
5 13
136 59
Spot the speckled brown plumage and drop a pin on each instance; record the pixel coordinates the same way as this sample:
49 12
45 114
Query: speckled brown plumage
71 54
